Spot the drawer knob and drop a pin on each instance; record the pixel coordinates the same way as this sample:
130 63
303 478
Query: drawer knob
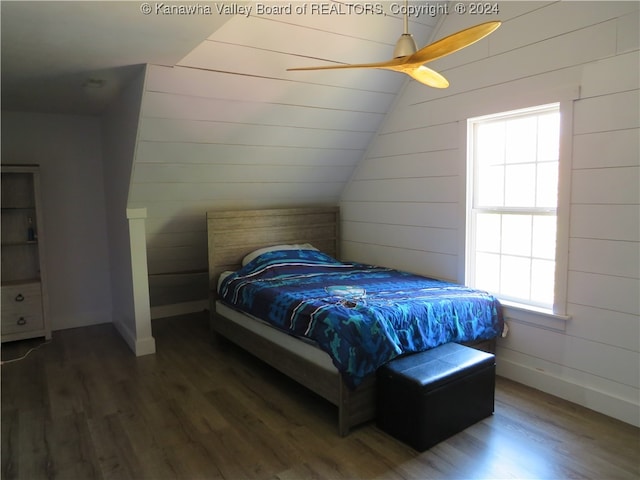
22 321
19 297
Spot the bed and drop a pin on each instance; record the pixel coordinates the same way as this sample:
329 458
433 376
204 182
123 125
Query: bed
234 234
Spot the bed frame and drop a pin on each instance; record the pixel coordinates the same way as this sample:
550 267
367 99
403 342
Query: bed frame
234 233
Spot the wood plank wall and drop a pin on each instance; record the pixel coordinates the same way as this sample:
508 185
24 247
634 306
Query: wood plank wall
229 127
404 206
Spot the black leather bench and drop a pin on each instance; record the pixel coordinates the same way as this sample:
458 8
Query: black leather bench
425 397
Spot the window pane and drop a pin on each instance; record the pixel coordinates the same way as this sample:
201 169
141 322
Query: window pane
514 277
544 237
547 185
542 281
488 233
521 140
520 185
489 147
548 136
514 159
490 189
487 272
516 234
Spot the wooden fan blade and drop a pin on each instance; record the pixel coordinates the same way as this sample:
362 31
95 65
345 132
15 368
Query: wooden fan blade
427 76
452 43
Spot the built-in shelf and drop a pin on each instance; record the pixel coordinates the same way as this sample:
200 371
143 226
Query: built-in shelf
23 287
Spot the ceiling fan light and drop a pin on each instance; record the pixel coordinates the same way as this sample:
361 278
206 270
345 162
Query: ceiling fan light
405 46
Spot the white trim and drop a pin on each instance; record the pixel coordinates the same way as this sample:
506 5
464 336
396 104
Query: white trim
145 346
139 346
538 317
563 207
622 409
127 335
144 342
565 96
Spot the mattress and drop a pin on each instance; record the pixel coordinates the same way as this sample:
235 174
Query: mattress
362 316
299 347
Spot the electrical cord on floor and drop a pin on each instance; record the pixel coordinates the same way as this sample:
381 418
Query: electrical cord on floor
25 355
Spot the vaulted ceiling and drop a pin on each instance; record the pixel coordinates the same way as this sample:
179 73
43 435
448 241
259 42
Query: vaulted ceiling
74 57
222 122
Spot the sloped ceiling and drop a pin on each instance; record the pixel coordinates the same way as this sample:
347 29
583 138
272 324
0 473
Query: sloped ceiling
223 123
51 49
229 127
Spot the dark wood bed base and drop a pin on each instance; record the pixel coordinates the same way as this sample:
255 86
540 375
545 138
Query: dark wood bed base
234 233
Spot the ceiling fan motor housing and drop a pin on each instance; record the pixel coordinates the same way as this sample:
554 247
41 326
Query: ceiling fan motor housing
405 46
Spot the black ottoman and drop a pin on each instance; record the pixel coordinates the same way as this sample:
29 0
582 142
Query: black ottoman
426 397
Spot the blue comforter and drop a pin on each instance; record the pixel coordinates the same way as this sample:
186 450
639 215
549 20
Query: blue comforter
361 315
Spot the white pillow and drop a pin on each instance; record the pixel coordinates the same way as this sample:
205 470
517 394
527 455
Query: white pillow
222 278
260 251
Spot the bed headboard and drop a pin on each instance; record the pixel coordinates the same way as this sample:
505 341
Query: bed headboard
234 233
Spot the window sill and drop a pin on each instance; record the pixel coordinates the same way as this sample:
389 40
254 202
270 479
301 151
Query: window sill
538 317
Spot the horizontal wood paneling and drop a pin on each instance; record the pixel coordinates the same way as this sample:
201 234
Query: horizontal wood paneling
560 52
424 189
616 148
441 215
619 111
438 240
565 378
606 186
542 50
228 173
229 127
600 290
418 138
190 131
613 328
248 88
438 265
441 163
615 222
190 153
150 192
580 355
187 107
610 257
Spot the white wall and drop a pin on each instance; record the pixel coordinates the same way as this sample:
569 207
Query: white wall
230 127
120 131
404 206
68 150
210 140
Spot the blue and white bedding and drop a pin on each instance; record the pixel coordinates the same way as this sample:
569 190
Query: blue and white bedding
361 315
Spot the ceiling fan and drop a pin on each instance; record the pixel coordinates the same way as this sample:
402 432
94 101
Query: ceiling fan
409 60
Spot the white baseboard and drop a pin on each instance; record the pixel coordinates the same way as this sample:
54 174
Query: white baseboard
140 347
163 311
622 409
127 335
145 346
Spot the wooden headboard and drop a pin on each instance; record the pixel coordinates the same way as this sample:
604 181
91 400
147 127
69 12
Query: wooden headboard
235 233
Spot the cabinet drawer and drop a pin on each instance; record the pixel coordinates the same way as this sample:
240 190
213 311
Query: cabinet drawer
21 308
14 323
22 297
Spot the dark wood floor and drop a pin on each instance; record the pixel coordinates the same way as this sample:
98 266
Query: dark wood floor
84 407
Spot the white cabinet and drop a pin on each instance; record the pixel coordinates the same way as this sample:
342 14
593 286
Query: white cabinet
23 309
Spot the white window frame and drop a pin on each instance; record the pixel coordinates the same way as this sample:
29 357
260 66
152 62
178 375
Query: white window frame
551 318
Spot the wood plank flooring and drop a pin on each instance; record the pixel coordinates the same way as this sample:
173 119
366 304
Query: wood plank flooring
83 407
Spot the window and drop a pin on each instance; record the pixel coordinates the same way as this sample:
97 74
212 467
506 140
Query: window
513 165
